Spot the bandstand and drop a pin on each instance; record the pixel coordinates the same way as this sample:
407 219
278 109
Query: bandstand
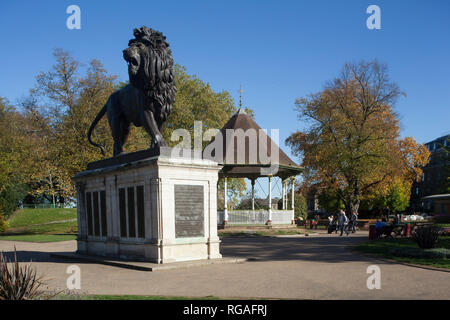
246 150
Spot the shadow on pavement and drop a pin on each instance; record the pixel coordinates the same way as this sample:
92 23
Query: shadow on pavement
324 248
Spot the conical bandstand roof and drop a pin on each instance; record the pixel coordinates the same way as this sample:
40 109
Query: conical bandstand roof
254 159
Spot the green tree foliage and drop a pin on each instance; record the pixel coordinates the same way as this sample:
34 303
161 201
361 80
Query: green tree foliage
16 146
330 201
300 206
3 223
196 101
398 196
235 191
300 203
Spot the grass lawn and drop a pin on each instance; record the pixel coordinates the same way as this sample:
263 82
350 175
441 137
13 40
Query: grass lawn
383 246
39 237
442 225
26 217
42 225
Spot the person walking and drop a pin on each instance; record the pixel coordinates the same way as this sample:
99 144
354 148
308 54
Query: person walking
336 222
330 219
316 220
331 224
342 222
353 222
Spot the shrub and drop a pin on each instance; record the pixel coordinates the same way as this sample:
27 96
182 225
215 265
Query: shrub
426 237
3 224
18 282
10 197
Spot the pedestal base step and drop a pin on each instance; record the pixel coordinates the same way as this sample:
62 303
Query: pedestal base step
143 266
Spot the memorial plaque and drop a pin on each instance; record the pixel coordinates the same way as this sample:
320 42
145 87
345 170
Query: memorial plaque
189 211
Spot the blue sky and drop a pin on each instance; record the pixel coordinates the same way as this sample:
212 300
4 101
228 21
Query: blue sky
277 50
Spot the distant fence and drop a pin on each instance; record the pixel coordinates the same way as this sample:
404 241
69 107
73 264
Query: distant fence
255 217
45 206
282 216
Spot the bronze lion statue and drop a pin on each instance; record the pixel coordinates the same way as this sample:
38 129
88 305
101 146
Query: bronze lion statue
148 99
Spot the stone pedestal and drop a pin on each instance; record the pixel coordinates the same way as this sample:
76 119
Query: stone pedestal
156 206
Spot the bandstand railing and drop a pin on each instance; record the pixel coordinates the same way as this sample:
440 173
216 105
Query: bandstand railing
255 217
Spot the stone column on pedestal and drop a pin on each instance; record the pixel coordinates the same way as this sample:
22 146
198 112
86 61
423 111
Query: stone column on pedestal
253 194
269 222
225 201
293 198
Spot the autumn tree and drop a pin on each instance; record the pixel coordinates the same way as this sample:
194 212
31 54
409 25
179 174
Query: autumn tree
66 101
76 152
352 144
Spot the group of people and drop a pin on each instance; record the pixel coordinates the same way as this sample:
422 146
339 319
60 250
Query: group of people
384 223
340 222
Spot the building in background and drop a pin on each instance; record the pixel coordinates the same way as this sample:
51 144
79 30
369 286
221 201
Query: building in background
440 203
434 176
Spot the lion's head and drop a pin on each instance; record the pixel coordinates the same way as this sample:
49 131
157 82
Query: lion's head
150 68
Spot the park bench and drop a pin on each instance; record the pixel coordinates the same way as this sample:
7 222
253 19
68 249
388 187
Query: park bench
389 231
398 230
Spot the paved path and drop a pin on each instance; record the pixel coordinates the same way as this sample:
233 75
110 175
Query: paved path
316 267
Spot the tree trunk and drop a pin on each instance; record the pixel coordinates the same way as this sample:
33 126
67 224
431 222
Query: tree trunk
352 204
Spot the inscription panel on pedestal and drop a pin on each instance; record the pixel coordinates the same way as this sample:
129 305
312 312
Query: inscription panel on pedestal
189 211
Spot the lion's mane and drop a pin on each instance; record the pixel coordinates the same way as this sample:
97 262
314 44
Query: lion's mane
155 77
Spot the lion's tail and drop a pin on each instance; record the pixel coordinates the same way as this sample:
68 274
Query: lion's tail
91 128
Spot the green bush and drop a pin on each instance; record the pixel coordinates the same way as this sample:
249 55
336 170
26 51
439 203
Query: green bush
3 224
426 237
10 197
